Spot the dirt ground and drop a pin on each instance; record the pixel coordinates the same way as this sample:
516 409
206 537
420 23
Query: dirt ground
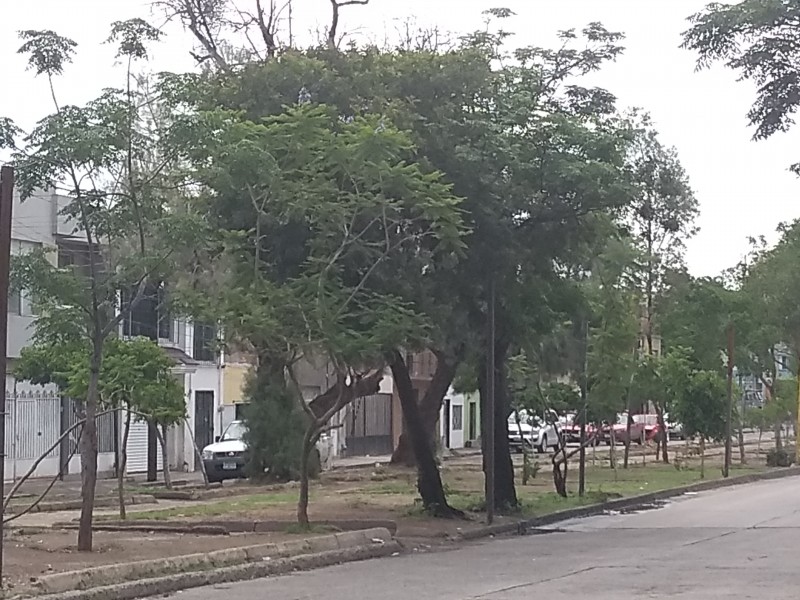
373 493
29 554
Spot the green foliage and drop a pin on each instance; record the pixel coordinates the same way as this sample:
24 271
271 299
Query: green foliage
47 51
696 314
136 374
275 426
702 407
756 38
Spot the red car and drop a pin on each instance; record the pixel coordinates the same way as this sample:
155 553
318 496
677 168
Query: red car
572 431
652 429
620 430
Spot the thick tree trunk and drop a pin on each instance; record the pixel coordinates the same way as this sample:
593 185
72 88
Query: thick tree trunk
89 453
505 491
560 468
430 406
123 464
429 480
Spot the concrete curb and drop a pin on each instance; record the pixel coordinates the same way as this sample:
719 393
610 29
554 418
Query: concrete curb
159 586
227 526
138 576
65 505
525 526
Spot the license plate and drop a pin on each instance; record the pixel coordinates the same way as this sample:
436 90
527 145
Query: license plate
229 466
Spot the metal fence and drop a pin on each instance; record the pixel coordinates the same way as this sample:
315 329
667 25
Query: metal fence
105 427
34 424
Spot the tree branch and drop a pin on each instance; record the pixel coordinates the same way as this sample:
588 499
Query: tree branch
336 5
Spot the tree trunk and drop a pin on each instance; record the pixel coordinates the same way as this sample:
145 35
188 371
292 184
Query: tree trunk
778 438
663 440
162 442
429 480
740 434
430 406
89 453
123 464
560 467
702 457
758 444
612 456
628 424
302 501
505 492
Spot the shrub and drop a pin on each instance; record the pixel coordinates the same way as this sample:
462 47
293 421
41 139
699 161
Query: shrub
275 428
780 458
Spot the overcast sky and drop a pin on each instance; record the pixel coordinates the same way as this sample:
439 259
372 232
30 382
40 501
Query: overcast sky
743 187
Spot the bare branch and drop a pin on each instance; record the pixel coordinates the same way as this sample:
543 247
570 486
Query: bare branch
336 5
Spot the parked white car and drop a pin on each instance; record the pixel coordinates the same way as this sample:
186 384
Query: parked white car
533 432
225 458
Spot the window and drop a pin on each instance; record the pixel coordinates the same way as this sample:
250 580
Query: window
14 303
205 342
458 417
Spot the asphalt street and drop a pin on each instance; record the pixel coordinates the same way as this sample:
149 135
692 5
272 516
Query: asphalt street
740 542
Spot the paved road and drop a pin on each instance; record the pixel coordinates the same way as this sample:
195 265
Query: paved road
740 542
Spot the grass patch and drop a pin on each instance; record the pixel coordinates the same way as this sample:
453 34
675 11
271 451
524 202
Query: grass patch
240 504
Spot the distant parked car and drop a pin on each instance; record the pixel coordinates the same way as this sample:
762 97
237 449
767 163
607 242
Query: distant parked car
619 431
225 458
571 430
674 430
532 432
652 428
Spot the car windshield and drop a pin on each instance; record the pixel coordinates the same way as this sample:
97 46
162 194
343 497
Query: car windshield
235 431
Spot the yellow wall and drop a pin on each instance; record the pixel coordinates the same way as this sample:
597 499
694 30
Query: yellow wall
233 380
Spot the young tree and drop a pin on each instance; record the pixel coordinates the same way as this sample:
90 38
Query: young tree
771 285
756 38
114 183
660 219
701 408
135 377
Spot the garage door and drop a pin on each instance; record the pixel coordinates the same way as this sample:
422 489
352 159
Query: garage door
137 449
368 426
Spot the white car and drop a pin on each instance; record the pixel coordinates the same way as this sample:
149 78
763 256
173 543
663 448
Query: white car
533 432
225 458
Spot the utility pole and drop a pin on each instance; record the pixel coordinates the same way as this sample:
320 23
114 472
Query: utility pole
584 401
490 414
6 204
728 425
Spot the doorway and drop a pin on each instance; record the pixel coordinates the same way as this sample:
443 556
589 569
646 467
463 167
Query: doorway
204 418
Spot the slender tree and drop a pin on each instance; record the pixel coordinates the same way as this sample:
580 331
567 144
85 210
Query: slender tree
113 180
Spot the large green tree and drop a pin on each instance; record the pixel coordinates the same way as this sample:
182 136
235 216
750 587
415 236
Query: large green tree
530 149
309 208
758 40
